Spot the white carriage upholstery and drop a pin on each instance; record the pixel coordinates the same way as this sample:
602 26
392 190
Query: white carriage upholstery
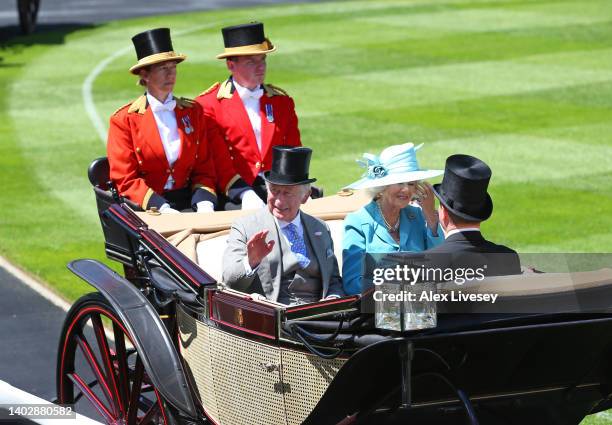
202 237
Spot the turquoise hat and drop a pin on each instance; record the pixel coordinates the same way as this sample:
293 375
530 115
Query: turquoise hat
396 164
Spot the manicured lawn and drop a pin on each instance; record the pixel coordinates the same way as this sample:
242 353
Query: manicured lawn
524 85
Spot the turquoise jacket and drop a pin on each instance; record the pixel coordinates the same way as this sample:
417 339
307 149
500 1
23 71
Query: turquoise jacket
365 231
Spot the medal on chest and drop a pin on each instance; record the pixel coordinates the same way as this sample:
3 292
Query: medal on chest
269 112
187 124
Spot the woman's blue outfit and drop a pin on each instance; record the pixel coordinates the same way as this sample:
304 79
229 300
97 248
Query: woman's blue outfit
365 232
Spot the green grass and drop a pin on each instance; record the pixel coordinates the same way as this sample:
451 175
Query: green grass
525 85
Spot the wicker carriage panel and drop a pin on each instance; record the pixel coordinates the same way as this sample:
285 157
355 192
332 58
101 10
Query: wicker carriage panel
195 348
246 381
305 378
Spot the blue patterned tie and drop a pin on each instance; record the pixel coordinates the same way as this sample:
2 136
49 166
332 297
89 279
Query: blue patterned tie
298 247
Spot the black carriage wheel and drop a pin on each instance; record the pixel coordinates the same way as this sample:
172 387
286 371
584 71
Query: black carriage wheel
28 10
121 391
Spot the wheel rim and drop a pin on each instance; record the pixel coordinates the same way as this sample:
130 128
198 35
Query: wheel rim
107 373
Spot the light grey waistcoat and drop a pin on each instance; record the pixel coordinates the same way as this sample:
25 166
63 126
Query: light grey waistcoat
299 285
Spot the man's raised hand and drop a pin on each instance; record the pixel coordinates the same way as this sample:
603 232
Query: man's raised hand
258 248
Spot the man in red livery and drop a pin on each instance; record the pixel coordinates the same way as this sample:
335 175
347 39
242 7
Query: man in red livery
247 117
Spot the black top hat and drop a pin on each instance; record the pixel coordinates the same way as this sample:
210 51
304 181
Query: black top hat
463 190
289 166
245 39
152 47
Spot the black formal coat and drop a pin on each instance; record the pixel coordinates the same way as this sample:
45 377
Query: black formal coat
471 249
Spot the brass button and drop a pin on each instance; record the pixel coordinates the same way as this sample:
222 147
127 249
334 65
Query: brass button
232 158
197 142
230 148
138 150
168 171
172 170
196 156
139 162
258 164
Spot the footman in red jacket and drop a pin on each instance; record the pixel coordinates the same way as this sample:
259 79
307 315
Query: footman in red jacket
158 145
248 117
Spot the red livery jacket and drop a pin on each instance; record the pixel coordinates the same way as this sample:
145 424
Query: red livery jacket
138 164
233 138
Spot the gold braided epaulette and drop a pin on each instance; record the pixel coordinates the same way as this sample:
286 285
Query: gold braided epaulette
225 90
184 102
272 90
211 88
139 105
120 108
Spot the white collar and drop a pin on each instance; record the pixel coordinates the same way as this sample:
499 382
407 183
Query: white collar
464 229
296 222
245 92
154 101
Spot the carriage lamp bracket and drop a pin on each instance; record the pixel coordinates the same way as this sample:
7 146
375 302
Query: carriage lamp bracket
406 355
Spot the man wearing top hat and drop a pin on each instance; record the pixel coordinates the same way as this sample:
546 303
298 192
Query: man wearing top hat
250 117
464 204
158 145
279 251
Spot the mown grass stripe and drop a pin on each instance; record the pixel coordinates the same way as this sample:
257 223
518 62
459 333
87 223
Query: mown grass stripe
484 20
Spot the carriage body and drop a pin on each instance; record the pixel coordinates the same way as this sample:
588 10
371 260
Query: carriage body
182 348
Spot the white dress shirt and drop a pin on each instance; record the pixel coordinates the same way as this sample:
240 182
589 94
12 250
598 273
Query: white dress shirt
165 118
250 100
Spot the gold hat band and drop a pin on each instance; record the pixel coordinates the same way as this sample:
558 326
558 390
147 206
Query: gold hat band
251 49
156 58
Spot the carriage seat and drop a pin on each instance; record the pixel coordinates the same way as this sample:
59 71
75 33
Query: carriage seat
202 237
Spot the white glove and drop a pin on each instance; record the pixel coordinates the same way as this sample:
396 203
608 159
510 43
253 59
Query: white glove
205 207
250 200
165 209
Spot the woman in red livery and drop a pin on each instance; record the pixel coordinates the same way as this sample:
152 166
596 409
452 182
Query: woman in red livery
158 147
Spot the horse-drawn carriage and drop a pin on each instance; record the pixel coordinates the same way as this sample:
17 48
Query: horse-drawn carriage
168 343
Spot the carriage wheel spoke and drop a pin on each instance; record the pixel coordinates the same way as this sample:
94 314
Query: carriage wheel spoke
135 393
93 399
106 356
122 365
95 367
126 394
150 415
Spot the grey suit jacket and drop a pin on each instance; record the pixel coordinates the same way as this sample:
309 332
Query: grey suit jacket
267 279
